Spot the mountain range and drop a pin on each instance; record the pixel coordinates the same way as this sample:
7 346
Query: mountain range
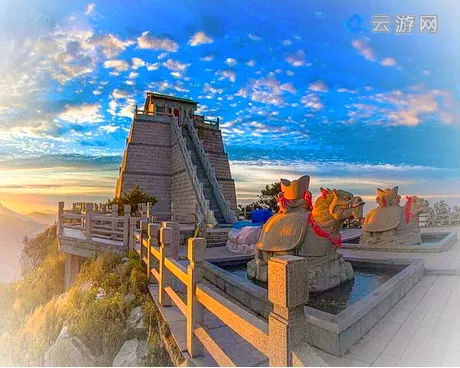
13 227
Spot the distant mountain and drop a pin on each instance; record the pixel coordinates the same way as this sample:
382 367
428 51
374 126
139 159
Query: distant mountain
43 218
13 227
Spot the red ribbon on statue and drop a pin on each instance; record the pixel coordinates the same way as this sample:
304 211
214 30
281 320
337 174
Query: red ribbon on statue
337 242
407 208
323 193
308 200
282 201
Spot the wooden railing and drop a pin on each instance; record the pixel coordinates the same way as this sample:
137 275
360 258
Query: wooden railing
282 338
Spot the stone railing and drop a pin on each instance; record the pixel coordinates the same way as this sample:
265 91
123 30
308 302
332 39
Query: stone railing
439 219
223 204
282 338
94 226
205 212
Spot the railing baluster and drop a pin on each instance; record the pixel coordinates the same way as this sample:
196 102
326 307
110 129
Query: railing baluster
126 216
152 230
166 235
60 219
195 253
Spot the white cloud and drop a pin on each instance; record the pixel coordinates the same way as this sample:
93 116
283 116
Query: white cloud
347 90
231 62
81 114
297 59
207 58
289 87
251 63
133 75
287 43
388 61
200 38
175 65
118 65
147 41
96 92
111 46
117 93
290 73
254 37
109 128
137 63
153 66
361 45
162 55
318 86
90 8
312 101
227 74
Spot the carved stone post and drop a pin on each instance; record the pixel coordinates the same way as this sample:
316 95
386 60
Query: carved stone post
166 235
288 291
60 219
153 230
114 223
88 223
175 237
196 248
143 224
149 210
126 217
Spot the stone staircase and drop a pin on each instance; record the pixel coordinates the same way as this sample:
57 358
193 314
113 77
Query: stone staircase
207 187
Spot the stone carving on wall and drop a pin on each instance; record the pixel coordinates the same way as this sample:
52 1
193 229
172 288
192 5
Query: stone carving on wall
391 224
308 231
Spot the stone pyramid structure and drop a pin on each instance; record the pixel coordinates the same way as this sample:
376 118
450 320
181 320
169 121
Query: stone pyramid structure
179 157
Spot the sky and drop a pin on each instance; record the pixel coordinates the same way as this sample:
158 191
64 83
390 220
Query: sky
301 87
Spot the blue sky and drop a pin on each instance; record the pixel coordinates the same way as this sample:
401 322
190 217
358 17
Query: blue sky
297 93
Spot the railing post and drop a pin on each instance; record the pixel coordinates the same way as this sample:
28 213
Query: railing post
196 248
132 233
144 210
149 210
166 236
174 253
88 222
126 216
288 291
60 219
153 230
173 218
143 228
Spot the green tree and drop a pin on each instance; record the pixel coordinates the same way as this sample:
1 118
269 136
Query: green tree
132 198
268 196
441 207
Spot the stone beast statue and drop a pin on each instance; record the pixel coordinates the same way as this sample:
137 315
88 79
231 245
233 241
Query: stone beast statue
313 233
391 224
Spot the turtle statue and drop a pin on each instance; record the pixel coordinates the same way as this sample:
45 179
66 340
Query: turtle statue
308 231
391 224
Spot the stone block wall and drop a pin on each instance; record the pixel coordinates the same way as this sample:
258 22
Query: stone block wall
147 162
182 194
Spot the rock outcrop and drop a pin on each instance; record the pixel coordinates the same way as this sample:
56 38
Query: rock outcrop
68 351
133 353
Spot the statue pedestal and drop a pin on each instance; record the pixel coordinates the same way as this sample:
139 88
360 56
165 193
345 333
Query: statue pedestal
324 273
328 271
391 238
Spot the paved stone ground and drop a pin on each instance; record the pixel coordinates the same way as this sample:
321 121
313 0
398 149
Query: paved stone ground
423 329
